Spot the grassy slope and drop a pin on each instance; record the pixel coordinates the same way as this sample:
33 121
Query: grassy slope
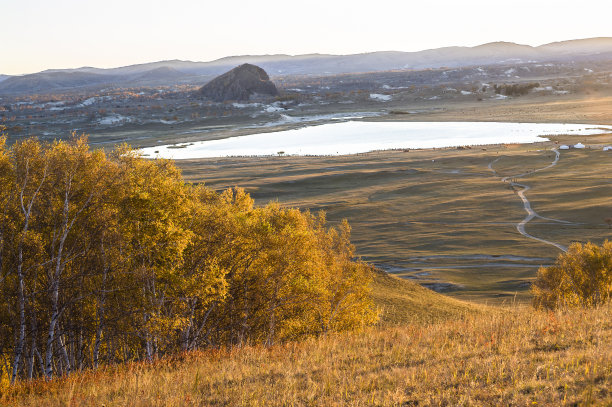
403 302
514 356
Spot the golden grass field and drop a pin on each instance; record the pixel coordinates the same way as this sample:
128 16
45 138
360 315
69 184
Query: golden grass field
463 355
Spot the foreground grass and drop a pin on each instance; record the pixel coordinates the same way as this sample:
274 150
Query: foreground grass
515 357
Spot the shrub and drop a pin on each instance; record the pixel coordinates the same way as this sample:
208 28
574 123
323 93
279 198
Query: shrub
581 277
515 89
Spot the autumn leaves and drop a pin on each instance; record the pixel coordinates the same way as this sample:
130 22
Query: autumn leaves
581 277
108 258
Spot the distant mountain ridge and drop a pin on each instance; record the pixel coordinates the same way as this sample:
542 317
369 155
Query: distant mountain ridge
177 71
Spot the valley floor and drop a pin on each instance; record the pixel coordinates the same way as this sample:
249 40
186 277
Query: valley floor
442 217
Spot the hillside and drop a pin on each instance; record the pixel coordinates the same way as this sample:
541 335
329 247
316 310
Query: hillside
514 357
163 74
403 302
53 81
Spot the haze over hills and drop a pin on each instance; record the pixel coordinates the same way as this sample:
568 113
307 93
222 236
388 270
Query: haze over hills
187 72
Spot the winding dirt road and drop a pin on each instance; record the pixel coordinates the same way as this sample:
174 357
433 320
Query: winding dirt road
527 205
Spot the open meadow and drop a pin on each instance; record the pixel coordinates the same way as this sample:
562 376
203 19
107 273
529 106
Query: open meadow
442 216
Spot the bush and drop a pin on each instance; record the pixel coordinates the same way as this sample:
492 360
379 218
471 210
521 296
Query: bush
515 89
581 277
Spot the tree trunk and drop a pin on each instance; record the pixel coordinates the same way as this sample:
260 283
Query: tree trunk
101 310
66 358
149 348
33 346
19 345
40 360
52 324
100 327
97 343
55 292
196 335
271 328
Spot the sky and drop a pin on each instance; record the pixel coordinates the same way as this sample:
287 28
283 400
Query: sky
50 34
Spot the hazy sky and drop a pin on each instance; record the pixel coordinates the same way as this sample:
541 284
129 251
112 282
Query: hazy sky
42 34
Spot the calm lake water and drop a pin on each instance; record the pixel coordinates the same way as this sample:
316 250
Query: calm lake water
354 137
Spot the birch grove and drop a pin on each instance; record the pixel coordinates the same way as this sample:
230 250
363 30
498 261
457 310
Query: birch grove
108 257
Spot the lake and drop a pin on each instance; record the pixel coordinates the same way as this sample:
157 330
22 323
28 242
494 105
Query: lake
352 137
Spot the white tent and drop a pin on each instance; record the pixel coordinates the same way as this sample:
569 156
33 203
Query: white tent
579 145
607 148
564 147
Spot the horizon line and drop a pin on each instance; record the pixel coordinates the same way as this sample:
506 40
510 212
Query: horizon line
303 54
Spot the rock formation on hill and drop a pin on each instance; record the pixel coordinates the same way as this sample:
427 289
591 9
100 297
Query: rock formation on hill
239 84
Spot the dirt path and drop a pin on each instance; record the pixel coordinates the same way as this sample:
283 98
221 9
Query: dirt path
527 205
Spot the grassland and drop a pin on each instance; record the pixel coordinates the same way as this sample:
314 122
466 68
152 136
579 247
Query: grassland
589 107
437 217
441 217
464 355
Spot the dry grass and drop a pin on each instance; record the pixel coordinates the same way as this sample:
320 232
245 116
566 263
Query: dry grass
441 216
576 108
514 356
403 302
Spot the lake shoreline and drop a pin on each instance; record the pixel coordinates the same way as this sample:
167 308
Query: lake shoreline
359 137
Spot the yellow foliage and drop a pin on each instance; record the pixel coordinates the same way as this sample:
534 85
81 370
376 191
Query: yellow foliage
111 257
581 277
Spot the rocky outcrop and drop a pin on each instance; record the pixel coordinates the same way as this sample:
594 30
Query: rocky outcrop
241 83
